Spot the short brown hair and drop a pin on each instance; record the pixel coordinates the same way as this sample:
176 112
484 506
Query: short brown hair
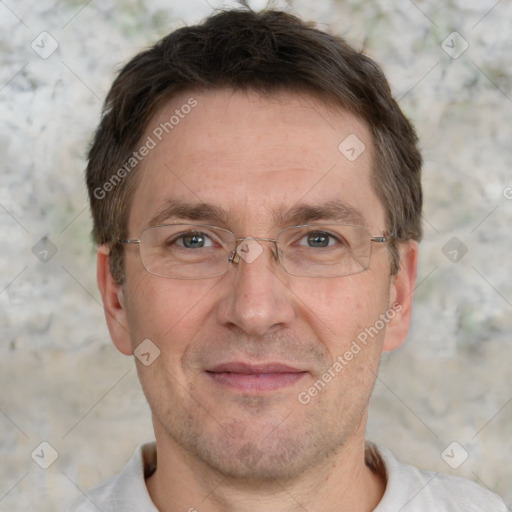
263 51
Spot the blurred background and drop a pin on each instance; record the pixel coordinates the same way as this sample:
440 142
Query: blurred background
442 402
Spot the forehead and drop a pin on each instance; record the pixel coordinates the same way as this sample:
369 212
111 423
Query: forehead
254 157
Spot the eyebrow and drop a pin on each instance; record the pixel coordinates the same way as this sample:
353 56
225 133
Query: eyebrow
189 211
336 210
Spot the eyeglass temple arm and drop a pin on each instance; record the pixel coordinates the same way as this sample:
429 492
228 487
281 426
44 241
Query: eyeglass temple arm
380 239
129 242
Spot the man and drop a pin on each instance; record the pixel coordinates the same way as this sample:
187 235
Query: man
256 200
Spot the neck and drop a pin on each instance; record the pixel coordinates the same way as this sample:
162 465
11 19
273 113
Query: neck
343 481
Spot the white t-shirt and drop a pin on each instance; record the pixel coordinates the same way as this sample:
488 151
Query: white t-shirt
408 489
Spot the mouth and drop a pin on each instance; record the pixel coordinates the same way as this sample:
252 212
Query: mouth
249 378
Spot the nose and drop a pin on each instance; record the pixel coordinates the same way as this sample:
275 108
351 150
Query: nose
257 298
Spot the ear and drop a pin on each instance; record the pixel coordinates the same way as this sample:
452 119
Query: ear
401 295
113 303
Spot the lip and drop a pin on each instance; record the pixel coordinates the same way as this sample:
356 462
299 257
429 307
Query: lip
255 378
254 369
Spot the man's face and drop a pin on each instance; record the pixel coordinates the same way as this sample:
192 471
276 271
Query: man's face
256 161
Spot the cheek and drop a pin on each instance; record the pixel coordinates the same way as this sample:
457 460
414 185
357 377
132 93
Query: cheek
166 310
346 305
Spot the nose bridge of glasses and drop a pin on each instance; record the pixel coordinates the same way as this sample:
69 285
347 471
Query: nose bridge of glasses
256 239
249 249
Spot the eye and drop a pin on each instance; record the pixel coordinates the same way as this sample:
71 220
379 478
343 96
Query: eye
319 239
193 240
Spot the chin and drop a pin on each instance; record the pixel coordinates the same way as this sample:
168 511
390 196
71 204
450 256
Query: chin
279 460
249 450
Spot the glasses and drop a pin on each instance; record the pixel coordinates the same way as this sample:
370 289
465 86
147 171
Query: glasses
196 251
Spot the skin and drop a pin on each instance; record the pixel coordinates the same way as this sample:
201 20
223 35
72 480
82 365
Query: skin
222 449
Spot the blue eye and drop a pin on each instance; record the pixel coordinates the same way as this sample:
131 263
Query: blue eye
318 239
194 240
